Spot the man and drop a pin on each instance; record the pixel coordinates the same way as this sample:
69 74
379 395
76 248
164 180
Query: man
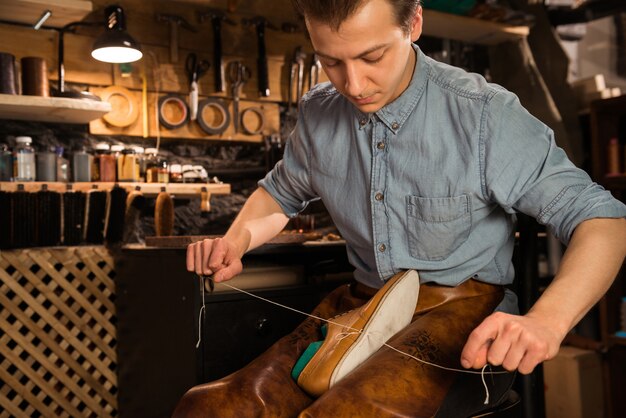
421 166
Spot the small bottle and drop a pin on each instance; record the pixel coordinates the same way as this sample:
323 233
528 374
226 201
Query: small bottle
104 167
81 165
164 174
24 168
47 164
613 166
116 152
128 166
141 163
6 163
152 165
63 166
176 173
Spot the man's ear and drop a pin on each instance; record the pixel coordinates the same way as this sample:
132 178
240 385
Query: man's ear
416 24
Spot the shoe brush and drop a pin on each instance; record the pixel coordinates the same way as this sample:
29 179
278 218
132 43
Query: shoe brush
163 214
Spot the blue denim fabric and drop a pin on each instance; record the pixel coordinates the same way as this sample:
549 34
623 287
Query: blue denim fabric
433 180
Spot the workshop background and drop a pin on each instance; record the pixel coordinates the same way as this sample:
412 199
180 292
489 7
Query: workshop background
98 317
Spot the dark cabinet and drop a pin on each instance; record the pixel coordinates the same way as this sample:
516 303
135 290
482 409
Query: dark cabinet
158 303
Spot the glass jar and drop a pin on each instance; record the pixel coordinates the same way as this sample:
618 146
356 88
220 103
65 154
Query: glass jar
47 164
176 173
128 166
24 168
6 163
141 163
104 166
63 165
152 165
164 174
116 152
81 165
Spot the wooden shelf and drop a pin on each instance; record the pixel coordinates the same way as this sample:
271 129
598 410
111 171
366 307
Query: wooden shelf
471 30
51 109
180 190
29 11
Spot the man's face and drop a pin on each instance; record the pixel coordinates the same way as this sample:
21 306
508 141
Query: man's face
369 59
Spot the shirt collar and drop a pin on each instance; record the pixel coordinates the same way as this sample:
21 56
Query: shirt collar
394 114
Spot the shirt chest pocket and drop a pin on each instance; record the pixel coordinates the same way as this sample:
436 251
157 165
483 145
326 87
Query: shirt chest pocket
437 226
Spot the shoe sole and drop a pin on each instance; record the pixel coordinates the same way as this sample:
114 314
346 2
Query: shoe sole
345 348
385 322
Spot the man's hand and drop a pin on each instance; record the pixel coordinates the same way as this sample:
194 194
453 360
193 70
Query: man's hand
217 257
512 341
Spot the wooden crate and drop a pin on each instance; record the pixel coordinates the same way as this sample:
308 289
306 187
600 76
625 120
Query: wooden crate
57 333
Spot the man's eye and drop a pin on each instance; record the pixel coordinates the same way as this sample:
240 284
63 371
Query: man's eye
373 60
330 63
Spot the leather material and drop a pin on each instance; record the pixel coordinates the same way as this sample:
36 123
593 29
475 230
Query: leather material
386 313
390 384
387 384
264 388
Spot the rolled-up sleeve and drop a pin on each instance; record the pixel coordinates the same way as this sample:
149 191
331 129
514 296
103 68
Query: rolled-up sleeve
524 170
289 182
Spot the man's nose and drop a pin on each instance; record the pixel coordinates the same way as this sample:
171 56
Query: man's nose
354 81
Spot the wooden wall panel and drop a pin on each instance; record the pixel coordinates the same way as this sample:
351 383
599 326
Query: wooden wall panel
191 129
239 43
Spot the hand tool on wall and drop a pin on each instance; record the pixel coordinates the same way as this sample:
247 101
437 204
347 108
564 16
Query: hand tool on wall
296 75
314 71
217 17
174 23
260 23
195 69
238 74
299 58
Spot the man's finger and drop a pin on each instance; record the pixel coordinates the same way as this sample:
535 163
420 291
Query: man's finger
218 254
228 272
475 350
198 258
207 251
498 350
514 357
191 253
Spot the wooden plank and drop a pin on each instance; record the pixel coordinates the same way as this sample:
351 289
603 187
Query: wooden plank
29 11
182 190
51 109
467 29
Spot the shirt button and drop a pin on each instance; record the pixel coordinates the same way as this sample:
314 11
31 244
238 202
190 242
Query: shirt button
378 196
363 122
395 125
382 248
380 145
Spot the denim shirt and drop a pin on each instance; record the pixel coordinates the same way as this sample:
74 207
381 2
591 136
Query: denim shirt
432 181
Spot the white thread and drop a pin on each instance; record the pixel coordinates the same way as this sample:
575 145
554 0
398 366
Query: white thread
202 310
358 331
482 377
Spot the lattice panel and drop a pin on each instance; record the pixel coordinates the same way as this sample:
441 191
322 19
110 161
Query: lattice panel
57 333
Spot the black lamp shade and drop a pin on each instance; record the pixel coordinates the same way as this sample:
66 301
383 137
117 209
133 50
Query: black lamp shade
115 45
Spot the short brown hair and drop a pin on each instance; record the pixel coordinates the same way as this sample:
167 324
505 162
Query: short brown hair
334 12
